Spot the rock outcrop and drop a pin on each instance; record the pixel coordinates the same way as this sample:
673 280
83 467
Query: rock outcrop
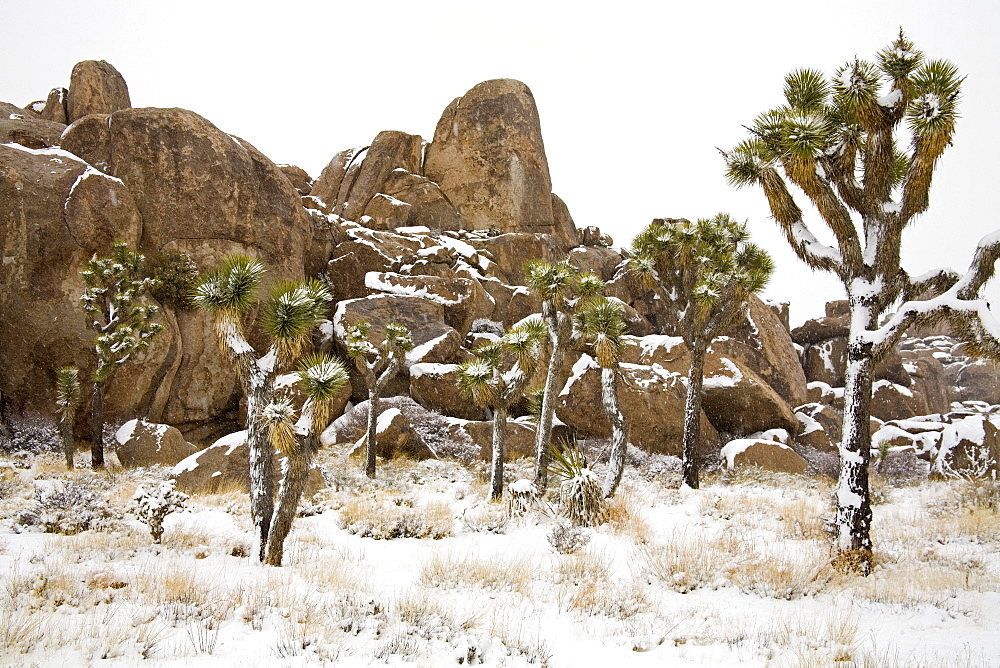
96 87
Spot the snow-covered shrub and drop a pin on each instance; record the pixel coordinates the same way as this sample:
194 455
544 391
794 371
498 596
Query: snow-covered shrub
385 519
523 496
565 538
64 506
152 505
174 275
34 436
486 326
488 518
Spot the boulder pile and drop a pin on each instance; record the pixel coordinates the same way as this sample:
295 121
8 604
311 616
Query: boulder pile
430 234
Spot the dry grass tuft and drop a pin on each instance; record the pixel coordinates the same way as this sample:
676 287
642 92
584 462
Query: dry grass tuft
499 573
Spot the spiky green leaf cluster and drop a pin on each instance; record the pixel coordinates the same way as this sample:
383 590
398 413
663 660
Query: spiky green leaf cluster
500 368
67 391
291 311
603 324
321 376
562 284
232 286
566 461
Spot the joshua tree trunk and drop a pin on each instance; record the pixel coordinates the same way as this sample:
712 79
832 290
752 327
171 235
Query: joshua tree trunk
261 459
692 416
619 443
97 426
294 482
560 329
69 444
854 513
499 452
373 409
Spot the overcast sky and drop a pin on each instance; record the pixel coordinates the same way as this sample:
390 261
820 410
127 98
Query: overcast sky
633 96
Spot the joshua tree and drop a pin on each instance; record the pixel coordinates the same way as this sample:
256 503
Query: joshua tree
378 365
603 326
836 140
124 324
67 400
290 312
703 272
321 378
497 378
564 291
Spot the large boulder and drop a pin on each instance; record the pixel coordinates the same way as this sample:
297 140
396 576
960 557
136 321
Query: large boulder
520 437
55 213
738 401
24 127
141 443
824 361
225 466
978 380
464 300
513 250
326 188
369 171
394 435
768 455
435 386
489 159
433 340
821 329
769 351
428 206
969 448
366 251
96 87
651 398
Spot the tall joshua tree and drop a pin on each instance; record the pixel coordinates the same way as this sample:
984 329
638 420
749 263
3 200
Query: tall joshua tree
837 141
378 365
67 400
704 273
603 326
564 291
290 312
113 302
321 378
497 378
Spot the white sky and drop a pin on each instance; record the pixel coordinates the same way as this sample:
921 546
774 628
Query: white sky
633 96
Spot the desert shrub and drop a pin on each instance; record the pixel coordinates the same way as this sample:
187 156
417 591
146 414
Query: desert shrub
486 326
565 538
488 518
34 436
385 519
153 504
174 275
65 507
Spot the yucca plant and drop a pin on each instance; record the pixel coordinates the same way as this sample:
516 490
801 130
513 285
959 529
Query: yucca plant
603 326
838 141
497 378
581 499
290 312
564 291
378 365
114 304
67 401
703 272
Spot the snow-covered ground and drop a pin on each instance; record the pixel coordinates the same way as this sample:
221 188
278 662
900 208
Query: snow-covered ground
735 573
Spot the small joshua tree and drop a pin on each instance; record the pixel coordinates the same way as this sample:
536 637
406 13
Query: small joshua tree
497 378
836 141
603 326
704 273
378 365
113 302
67 400
153 504
565 291
321 378
290 312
